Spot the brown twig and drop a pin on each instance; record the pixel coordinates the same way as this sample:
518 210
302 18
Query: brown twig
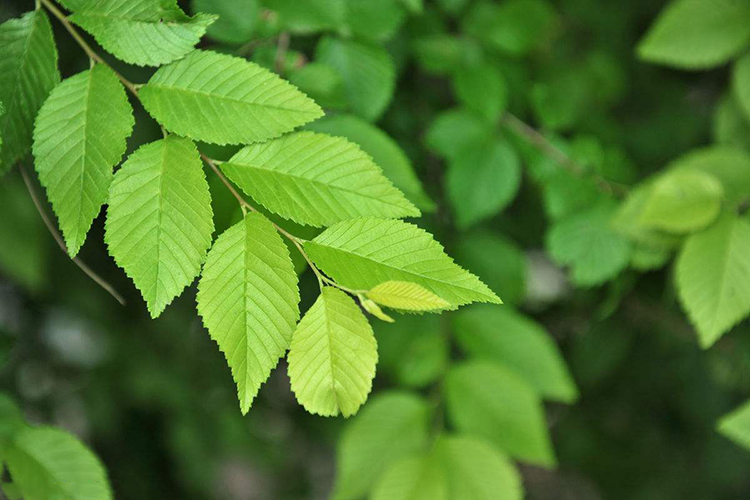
61 243
544 145
282 45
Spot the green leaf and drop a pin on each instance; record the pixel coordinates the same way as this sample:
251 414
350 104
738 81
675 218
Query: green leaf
79 137
480 397
316 179
455 131
731 121
713 277
413 351
481 88
628 220
248 299
384 151
142 32
511 339
367 71
513 26
363 253
28 72
406 296
474 470
373 308
391 426
310 16
48 463
378 21
416 477
323 84
500 263
441 54
222 99
683 201
159 220
741 83
483 180
588 243
695 34
332 357
236 22
736 425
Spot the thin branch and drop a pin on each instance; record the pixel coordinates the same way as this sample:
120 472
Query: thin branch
85 46
61 243
544 145
282 45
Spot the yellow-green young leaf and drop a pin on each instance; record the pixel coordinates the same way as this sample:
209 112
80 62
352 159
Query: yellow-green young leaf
695 34
741 84
489 401
683 201
475 470
159 219
417 477
367 71
713 277
142 32
333 355
587 242
374 309
316 179
385 152
47 463
391 426
248 299
28 72
363 253
736 425
223 99
79 137
502 335
406 295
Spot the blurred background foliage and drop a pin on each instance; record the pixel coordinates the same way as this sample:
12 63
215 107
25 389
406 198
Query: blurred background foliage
424 87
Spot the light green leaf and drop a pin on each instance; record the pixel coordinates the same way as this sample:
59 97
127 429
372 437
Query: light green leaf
483 180
48 463
511 339
730 166
407 296
79 137
741 82
481 88
627 220
413 351
513 26
500 263
683 201
588 243
384 151
142 32
489 401
474 470
416 477
367 71
332 357
391 426
248 299
736 425
223 99
159 220
236 22
373 308
713 277
455 131
316 179
363 253
28 72
695 34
